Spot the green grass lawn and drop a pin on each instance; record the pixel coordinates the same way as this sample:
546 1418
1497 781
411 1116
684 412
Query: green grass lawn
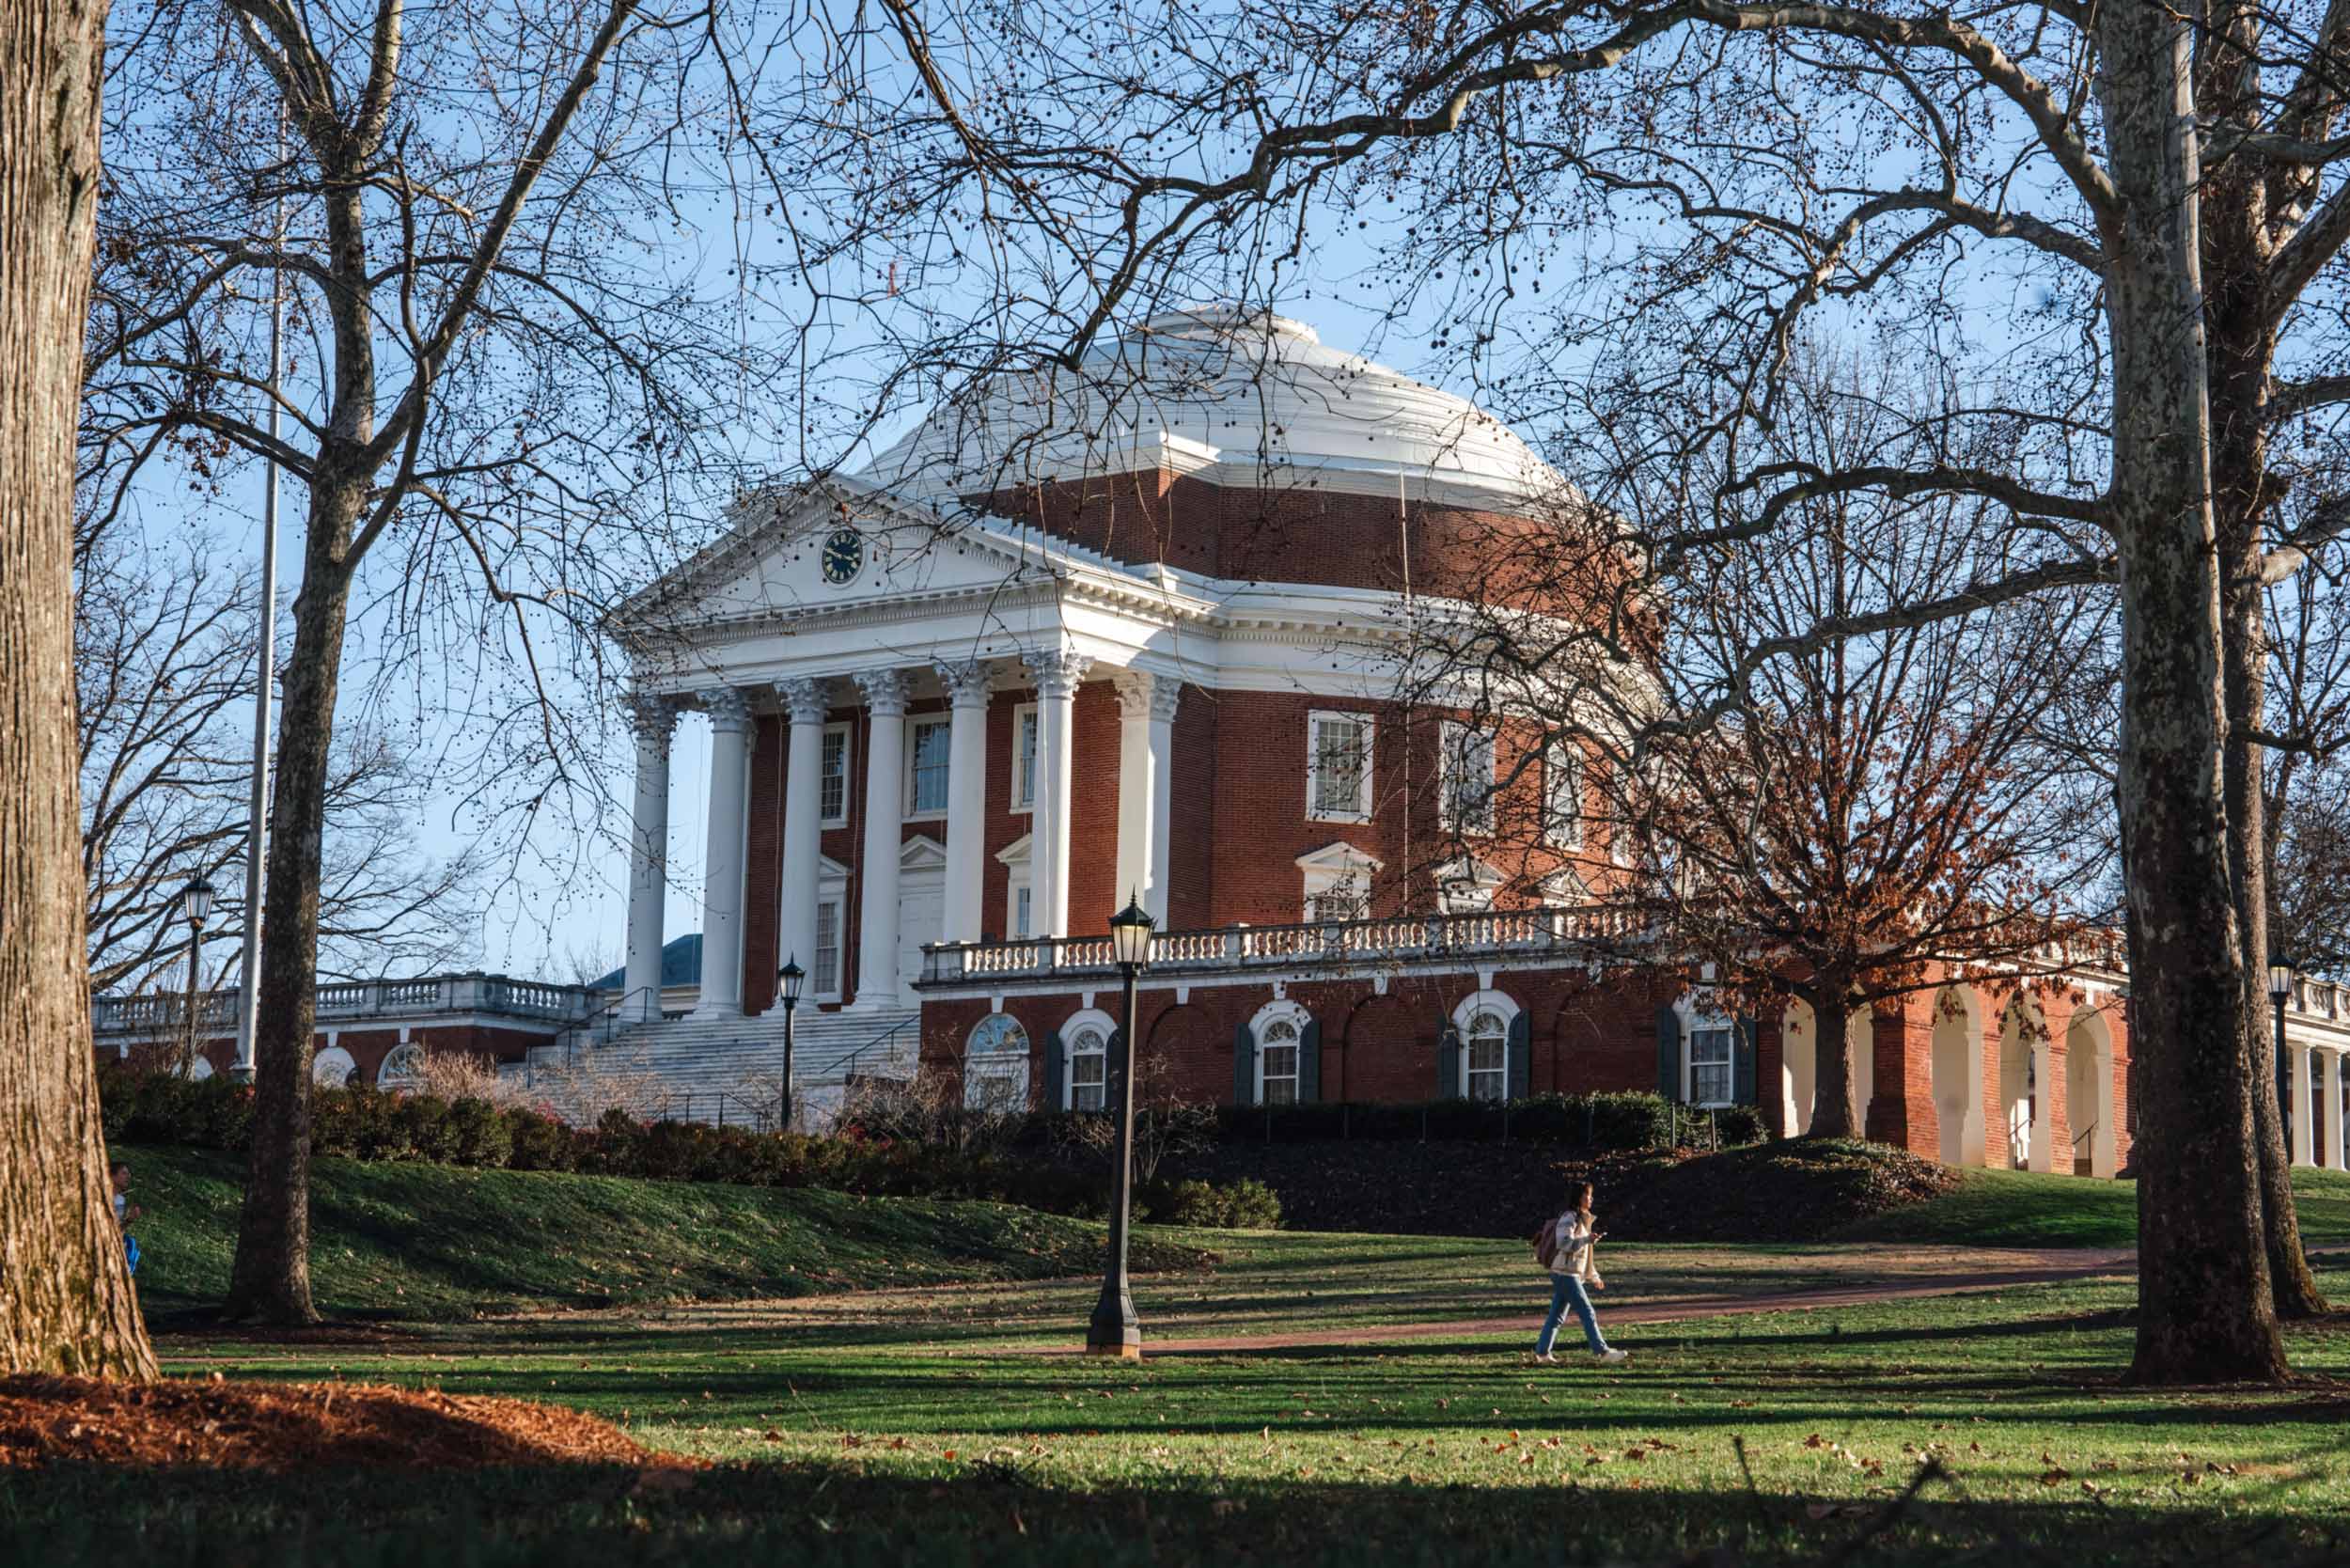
921 1427
2018 1208
436 1242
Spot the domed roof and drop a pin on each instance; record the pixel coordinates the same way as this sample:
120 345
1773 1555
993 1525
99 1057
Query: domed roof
1244 391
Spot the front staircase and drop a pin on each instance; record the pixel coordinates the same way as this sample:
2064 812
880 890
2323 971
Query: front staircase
726 1071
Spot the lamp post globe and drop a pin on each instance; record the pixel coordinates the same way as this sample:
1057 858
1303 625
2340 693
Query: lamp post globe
1114 1330
791 978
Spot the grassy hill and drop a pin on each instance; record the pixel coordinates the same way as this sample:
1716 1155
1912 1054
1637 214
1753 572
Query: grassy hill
438 1242
2019 1208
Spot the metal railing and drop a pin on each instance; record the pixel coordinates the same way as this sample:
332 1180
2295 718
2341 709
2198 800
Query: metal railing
604 1023
1396 939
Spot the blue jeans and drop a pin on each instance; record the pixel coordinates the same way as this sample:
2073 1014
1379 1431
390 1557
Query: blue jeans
1566 1290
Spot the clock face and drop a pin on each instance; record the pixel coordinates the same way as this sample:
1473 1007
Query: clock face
844 556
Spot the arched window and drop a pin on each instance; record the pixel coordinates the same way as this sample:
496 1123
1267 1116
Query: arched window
402 1070
1486 1056
200 1070
996 1066
1277 1042
1088 1045
333 1068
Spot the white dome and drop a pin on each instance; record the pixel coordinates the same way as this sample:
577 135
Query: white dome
1247 392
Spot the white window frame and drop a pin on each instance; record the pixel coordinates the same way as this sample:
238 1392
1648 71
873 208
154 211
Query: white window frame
1466 885
1019 878
848 772
915 724
1333 867
1451 754
1006 1067
1293 1015
1502 1006
1021 713
410 1053
1702 1016
823 992
1090 1018
1562 828
1315 719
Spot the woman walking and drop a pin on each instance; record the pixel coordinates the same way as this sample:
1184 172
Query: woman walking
1565 1247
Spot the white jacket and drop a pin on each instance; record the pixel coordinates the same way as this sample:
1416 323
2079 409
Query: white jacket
1574 1242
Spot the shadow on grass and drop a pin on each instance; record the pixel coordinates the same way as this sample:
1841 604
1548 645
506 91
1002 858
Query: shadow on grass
986 1508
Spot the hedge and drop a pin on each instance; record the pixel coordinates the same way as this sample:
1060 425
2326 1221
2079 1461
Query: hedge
1596 1122
365 1124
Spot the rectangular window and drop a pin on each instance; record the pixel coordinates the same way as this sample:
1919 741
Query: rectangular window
1281 1072
1467 778
1710 1053
832 774
1341 900
1488 1066
1562 791
1024 723
824 974
1088 1077
1020 903
1338 767
926 768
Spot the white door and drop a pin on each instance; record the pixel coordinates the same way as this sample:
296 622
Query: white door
922 917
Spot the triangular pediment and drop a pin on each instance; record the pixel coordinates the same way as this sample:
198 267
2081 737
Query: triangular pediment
822 549
922 853
1341 857
1016 852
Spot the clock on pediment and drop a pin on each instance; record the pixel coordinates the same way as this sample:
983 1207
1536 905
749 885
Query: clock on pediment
843 556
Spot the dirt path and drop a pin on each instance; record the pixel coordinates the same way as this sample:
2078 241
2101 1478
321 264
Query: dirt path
2055 1266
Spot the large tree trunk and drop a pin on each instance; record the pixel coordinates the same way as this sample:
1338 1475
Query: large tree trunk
2236 252
1832 1112
69 1305
269 1280
2204 1311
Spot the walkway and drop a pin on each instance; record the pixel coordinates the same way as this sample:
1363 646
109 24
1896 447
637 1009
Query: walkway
2054 1267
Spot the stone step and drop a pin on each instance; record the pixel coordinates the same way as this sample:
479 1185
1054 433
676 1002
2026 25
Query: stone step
697 1068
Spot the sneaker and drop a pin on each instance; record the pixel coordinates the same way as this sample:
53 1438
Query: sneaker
1613 1357
1543 1360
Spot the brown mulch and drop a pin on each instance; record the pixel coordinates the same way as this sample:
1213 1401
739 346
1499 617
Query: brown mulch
293 1426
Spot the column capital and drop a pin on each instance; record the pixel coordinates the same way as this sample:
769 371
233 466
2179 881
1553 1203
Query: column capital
884 692
727 708
803 699
653 716
1057 670
967 683
1142 695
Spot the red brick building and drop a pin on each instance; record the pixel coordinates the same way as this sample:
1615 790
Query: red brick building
1141 629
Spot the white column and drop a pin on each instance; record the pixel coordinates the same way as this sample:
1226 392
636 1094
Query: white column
967 799
722 865
654 719
2304 1114
1146 751
884 828
1057 670
804 706
2044 1090
2333 1112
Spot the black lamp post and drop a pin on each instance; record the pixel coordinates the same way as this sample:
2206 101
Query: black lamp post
792 976
196 903
1114 1330
2279 987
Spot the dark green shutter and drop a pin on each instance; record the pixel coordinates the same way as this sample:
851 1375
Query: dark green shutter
1056 1073
1746 1058
1244 1066
1309 1061
1448 1064
1669 1053
1521 1051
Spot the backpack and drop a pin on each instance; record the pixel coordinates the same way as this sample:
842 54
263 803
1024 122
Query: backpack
1547 1243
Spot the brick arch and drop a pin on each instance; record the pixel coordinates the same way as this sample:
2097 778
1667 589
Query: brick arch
1386 1049
1566 1054
1196 1049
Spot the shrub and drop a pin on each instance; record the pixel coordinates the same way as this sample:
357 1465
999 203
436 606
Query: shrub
539 1142
424 1120
1244 1205
1742 1125
483 1136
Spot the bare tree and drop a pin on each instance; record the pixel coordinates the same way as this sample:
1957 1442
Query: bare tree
70 1305
514 383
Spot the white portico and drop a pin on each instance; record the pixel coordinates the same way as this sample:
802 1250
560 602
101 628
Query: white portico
876 635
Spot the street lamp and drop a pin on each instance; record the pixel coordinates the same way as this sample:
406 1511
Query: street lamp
196 903
792 977
1114 1330
2279 987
